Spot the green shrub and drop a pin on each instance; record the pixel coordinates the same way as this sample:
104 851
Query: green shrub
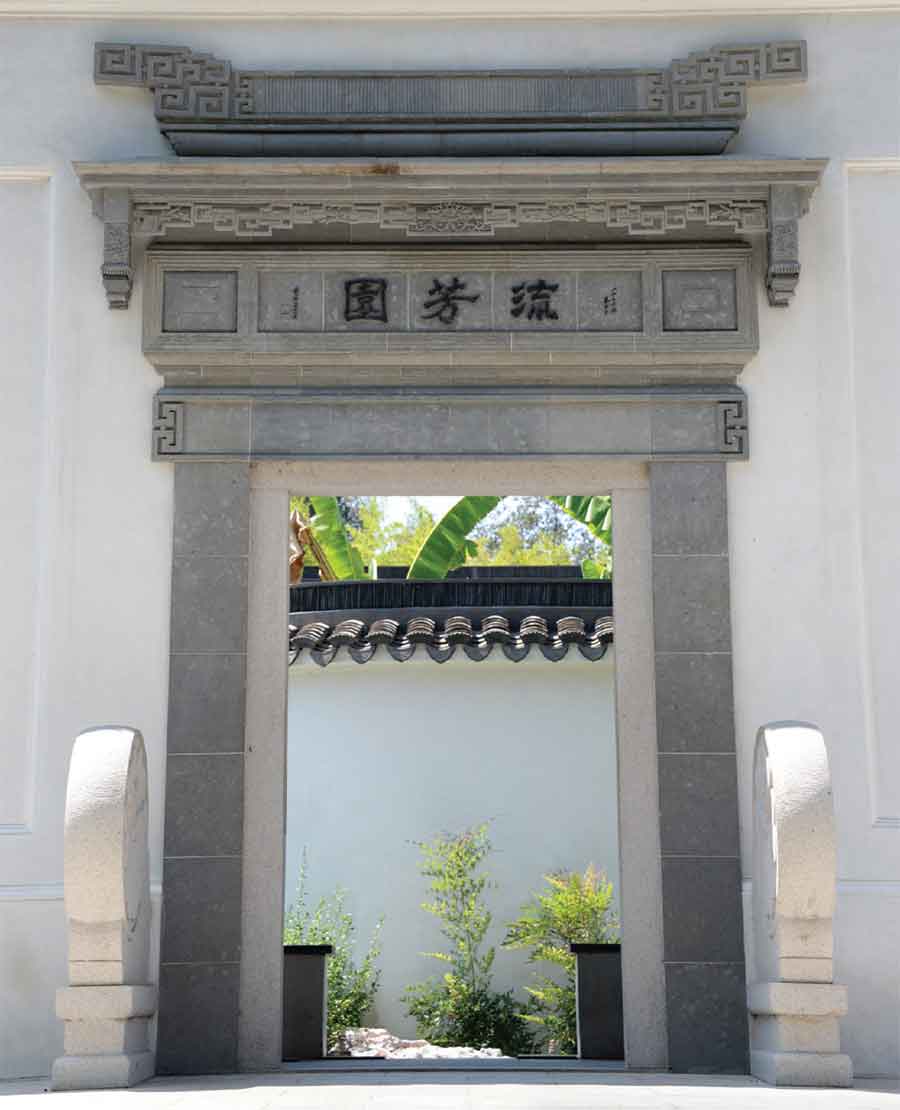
573 908
461 1008
351 988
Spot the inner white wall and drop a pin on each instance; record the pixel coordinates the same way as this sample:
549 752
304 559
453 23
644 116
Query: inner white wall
386 754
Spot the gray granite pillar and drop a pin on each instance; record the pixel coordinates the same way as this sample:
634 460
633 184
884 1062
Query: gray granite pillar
200 948
703 945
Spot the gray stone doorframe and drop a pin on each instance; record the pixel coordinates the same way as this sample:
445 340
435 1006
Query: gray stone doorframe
262 397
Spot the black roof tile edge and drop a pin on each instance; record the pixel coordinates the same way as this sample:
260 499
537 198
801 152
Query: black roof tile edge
440 637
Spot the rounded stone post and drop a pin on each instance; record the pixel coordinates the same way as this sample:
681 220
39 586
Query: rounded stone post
794 1005
108 1005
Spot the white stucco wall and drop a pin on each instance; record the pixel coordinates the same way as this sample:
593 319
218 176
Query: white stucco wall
814 515
385 755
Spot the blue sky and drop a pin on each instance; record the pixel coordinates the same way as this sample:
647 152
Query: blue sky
396 508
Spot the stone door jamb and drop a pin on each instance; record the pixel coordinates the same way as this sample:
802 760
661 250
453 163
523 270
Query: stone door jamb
259 1025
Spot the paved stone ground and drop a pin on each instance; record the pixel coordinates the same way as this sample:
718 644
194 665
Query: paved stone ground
453 1090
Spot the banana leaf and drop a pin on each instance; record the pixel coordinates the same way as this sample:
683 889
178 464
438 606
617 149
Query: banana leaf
590 568
445 545
329 529
593 512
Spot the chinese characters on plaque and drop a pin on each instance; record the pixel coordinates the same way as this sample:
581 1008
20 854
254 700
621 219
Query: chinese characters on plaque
365 299
465 301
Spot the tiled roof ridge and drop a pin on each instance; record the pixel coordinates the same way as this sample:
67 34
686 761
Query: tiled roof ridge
477 638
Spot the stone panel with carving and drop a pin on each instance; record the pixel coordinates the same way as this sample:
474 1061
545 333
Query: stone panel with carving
699 300
199 301
368 314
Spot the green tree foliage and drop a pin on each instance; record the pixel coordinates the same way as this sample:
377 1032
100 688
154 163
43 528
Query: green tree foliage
390 542
461 1008
572 908
352 987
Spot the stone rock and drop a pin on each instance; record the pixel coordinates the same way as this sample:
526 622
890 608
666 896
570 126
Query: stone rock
380 1043
108 1006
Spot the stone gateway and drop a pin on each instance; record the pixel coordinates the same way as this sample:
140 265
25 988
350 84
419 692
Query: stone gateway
511 249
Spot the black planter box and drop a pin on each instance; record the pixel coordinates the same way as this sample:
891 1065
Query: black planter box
305 1001
598 1000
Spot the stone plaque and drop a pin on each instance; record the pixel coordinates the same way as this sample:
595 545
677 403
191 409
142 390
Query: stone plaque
199 301
699 300
447 300
450 316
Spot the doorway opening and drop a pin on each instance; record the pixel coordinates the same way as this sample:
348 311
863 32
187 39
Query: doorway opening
451 818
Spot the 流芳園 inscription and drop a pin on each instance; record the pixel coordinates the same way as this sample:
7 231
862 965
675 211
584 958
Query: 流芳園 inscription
534 300
445 299
365 299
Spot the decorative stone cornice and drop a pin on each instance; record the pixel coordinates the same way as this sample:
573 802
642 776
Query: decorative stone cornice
205 105
449 218
456 201
189 85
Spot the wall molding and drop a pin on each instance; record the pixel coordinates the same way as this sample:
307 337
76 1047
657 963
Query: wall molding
849 888
51 892
474 10
12 174
54 892
872 165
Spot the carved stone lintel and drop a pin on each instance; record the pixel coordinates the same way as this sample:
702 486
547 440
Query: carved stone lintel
117 273
468 202
787 204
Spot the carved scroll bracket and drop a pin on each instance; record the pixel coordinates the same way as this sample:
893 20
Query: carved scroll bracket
787 204
113 206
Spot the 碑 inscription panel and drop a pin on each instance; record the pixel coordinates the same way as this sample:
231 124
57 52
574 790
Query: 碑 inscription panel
699 300
200 301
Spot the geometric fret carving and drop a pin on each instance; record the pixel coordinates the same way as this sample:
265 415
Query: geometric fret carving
715 82
733 431
184 84
168 428
198 87
257 220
